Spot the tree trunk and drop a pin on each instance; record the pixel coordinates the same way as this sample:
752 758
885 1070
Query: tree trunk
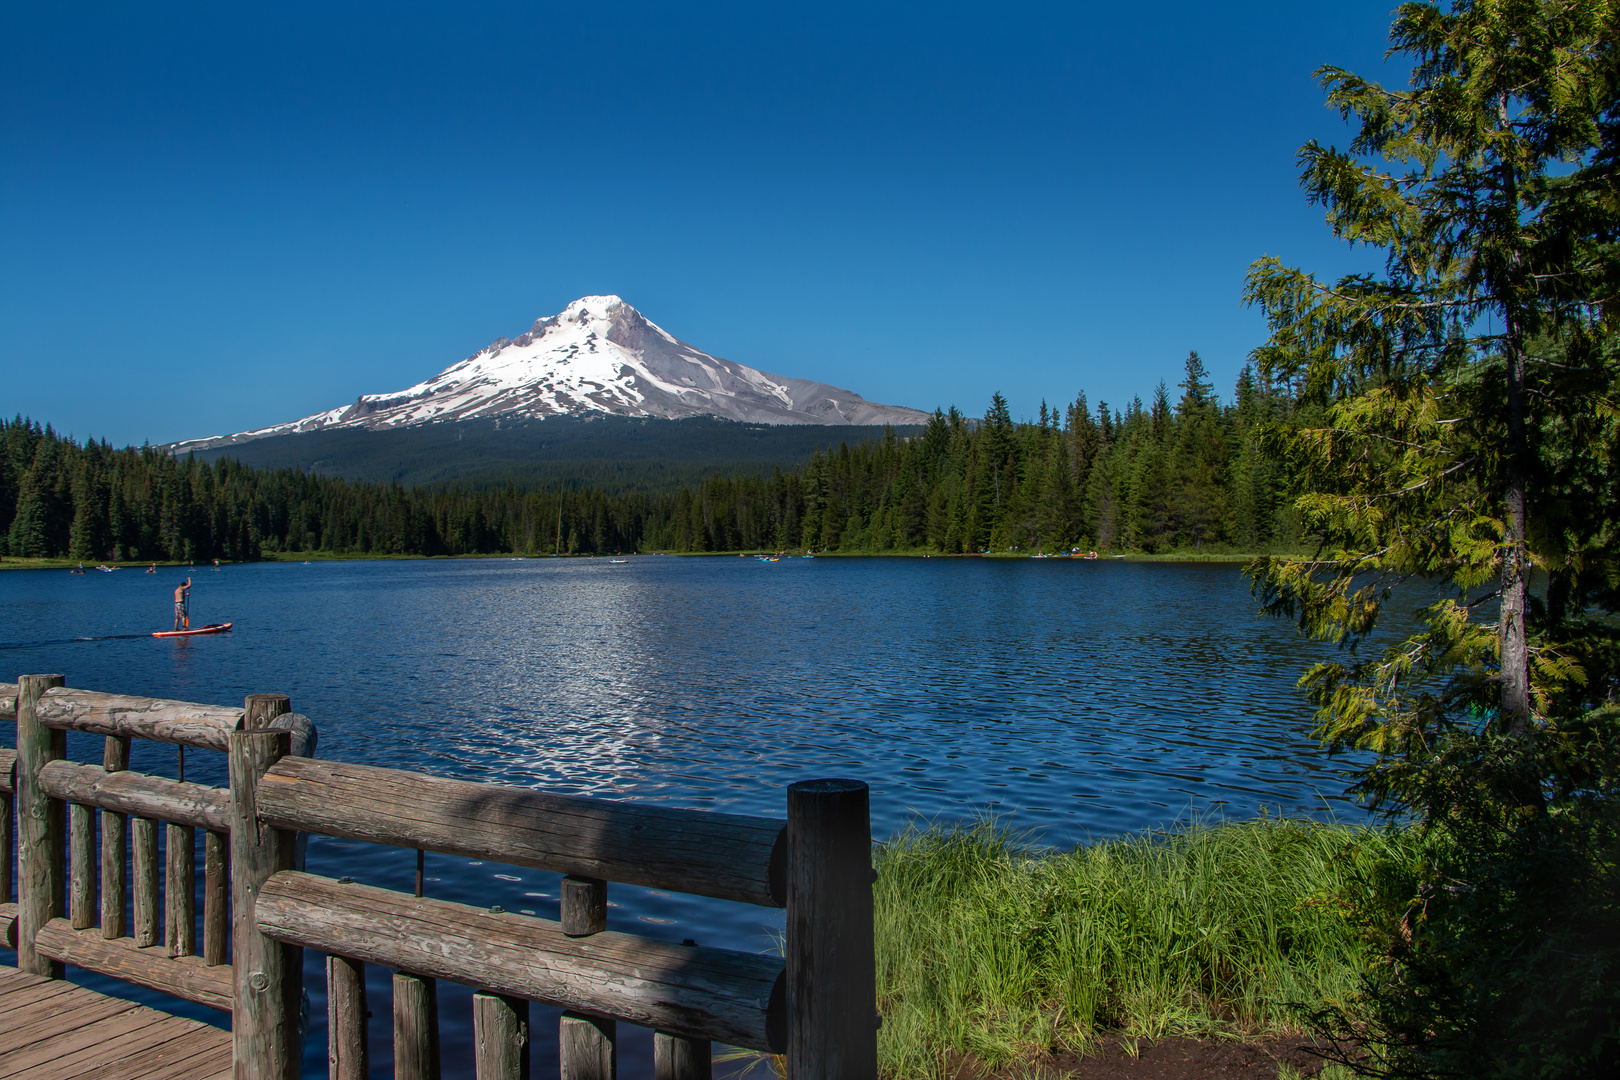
1515 645
1513 634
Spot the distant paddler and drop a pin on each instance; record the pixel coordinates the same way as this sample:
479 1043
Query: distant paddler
182 605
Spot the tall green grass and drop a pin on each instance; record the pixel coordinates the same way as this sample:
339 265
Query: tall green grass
993 950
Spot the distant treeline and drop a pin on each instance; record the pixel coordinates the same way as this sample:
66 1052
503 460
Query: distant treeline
1190 474
613 454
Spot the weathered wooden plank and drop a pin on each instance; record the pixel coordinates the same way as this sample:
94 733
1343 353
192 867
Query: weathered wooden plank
702 993
144 863
97 1046
8 925
729 856
180 722
268 974
416 1027
13 982
183 976
82 876
8 765
179 1059
10 977
53 1020
587 1047
196 1069
180 892
19 1015
348 1050
831 972
41 828
8 703
23 998
41 1055
92 1040
156 797
500 1037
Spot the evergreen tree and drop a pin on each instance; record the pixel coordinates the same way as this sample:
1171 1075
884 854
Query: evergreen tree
1201 493
1469 416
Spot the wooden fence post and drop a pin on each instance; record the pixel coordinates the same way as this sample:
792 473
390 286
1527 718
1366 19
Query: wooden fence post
583 906
501 1037
143 836
8 855
180 892
40 827
114 846
587 1046
675 1058
216 898
348 1051
416 1027
268 975
831 967
82 856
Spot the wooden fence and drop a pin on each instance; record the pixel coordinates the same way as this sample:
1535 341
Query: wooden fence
261 910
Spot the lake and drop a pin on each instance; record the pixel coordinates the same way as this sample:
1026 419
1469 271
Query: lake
1068 699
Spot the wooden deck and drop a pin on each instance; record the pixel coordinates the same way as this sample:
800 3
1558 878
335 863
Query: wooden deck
53 1030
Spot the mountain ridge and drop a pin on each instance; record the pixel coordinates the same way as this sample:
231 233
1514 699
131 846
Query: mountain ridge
600 356
610 453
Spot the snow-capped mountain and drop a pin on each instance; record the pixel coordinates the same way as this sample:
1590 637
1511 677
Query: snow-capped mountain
599 355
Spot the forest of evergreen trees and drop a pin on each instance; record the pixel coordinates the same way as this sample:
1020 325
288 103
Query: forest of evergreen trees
1189 474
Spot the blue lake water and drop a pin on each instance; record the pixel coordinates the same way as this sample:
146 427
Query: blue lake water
1070 699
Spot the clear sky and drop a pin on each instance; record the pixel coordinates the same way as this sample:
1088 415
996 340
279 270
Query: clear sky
218 216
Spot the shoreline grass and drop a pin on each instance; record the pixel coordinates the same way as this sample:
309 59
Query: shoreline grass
994 952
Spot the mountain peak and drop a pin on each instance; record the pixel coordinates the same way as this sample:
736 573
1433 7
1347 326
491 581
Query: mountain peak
593 307
597 355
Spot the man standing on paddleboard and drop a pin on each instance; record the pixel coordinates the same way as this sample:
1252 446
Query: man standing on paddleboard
182 601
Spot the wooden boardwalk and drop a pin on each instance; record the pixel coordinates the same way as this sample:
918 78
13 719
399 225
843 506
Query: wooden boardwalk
53 1030
116 901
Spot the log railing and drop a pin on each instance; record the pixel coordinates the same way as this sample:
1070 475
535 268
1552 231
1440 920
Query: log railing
121 914
814 1006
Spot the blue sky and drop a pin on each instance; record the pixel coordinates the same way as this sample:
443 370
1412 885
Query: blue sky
215 217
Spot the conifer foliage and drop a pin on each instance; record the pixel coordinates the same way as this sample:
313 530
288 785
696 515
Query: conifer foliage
1190 474
1469 403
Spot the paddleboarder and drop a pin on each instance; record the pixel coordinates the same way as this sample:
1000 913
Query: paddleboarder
182 604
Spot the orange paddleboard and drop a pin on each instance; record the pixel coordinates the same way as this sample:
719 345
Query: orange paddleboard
211 628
